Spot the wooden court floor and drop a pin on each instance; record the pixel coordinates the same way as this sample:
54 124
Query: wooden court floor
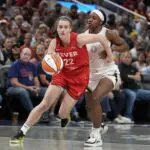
52 137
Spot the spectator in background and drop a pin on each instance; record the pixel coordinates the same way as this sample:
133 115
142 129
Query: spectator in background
141 9
146 69
130 4
39 39
36 13
2 13
27 13
3 17
19 20
28 4
134 36
130 77
15 31
7 51
58 10
25 27
16 51
50 18
140 63
2 61
34 3
27 43
43 8
111 23
23 81
4 30
82 18
21 2
46 43
123 34
44 78
35 23
9 9
140 45
39 54
117 102
16 12
127 23
36 38
73 14
142 28
44 28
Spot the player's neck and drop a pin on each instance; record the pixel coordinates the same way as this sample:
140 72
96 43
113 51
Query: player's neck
95 30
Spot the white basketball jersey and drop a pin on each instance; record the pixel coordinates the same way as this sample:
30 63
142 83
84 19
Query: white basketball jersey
98 66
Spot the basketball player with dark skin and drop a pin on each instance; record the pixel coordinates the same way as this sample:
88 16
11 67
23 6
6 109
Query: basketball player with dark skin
96 21
73 77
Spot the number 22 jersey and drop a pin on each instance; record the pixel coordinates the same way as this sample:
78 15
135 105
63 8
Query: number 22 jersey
73 57
75 73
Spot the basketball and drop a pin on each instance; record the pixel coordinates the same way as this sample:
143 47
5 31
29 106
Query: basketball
52 63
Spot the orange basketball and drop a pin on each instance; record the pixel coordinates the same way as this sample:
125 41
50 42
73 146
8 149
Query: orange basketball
52 63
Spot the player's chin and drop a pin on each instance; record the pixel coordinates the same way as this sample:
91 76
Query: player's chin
61 36
90 26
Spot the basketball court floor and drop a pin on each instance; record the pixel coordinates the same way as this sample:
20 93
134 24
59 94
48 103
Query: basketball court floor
52 137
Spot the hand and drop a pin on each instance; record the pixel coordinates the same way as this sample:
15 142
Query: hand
31 88
110 95
136 77
103 55
37 89
109 59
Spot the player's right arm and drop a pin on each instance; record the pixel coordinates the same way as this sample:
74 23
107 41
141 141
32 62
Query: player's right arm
84 39
52 47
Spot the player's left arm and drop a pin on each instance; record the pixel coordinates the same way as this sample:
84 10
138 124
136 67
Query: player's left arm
118 43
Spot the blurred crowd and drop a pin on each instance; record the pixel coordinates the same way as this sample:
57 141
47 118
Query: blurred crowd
138 6
26 29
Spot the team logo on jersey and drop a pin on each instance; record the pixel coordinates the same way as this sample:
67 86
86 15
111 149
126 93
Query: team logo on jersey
94 49
73 48
97 48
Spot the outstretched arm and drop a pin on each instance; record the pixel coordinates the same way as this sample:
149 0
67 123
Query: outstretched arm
119 43
84 39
